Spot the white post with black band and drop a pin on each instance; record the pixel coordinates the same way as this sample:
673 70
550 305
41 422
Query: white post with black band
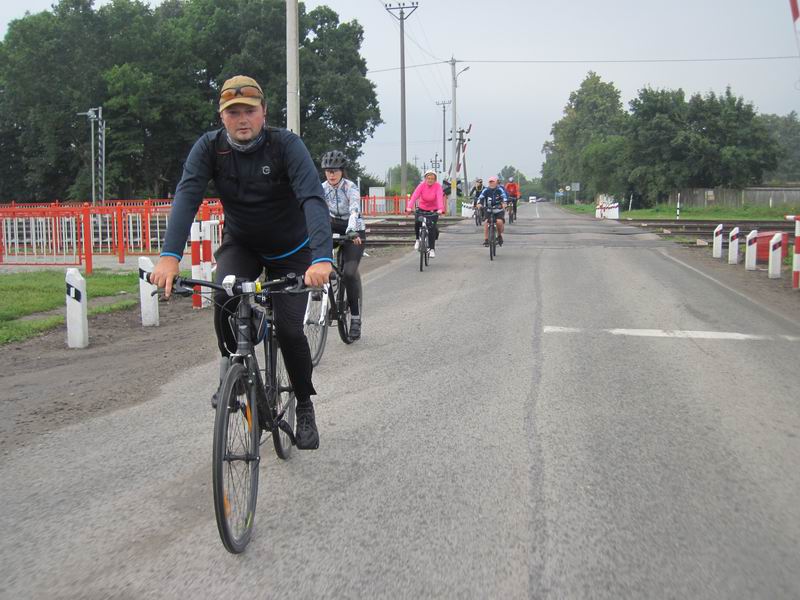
77 314
148 300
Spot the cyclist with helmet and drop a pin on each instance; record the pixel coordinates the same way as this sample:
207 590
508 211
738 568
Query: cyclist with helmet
475 192
428 196
275 219
493 200
512 189
344 206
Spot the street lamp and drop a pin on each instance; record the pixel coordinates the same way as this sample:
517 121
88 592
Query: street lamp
454 166
96 115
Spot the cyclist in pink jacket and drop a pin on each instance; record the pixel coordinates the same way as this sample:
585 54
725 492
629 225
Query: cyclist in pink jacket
428 197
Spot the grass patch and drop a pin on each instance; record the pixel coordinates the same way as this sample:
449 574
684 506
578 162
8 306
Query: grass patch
38 291
578 209
17 331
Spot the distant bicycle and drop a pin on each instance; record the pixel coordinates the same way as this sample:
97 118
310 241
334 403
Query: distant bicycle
492 219
423 217
477 213
330 304
251 399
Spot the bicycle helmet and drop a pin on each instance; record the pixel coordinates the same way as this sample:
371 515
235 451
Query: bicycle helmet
335 159
510 179
430 172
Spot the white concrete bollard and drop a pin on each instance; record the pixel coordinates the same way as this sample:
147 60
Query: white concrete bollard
597 214
716 249
77 312
147 299
750 251
775 244
613 212
733 246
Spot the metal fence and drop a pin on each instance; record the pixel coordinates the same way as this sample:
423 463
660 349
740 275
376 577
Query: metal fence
705 197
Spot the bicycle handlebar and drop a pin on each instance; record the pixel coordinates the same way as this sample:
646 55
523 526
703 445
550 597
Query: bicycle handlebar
294 284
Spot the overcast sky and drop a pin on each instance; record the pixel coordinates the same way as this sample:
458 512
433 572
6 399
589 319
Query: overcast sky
511 106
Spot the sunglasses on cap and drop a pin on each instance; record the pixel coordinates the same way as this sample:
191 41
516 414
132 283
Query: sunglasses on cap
243 91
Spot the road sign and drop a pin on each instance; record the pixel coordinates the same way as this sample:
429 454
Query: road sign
576 187
569 189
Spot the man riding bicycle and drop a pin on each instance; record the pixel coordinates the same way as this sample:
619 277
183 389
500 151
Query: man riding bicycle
275 219
493 200
344 206
512 189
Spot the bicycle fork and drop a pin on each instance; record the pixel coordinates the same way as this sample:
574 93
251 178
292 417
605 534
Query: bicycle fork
324 309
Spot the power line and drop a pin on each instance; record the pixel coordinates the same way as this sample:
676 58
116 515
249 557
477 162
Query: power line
600 61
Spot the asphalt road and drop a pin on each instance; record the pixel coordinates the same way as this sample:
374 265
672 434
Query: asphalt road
585 417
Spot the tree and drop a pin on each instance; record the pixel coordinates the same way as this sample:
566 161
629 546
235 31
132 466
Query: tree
157 73
593 113
413 175
656 144
785 131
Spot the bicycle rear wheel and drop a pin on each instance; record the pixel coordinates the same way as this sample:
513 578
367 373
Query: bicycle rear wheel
316 325
343 302
235 459
281 398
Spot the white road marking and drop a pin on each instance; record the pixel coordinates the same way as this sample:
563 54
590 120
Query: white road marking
537 212
676 334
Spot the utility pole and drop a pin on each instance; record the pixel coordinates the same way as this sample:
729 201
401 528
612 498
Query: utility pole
402 16
292 68
435 162
443 104
454 165
415 160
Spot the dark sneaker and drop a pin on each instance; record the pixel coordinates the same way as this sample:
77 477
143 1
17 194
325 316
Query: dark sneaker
499 240
355 328
214 399
306 432
486 243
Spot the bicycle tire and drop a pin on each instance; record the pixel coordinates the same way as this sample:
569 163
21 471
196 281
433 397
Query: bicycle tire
492 242
511 216
423 248
477 216
343 322
235 490
316 332
281 398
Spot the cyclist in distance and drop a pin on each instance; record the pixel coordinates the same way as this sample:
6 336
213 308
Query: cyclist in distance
275 219
476 191
493 197
344 206
430 196
512 189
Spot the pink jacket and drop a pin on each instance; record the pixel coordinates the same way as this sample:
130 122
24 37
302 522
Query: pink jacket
431 197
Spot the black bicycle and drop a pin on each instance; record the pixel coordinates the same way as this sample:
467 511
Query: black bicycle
331 304
491 215
512 211
424 216
251 400
477 213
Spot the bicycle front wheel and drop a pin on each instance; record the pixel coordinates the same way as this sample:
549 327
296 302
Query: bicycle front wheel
235 459
423 249
492 242
316 323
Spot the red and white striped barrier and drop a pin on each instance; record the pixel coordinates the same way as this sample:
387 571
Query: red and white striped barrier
733 246
716 248
775 258
606 211
201 236
796 257
750 251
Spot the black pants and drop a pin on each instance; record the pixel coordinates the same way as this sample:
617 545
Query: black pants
351 258
433 230
289 309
